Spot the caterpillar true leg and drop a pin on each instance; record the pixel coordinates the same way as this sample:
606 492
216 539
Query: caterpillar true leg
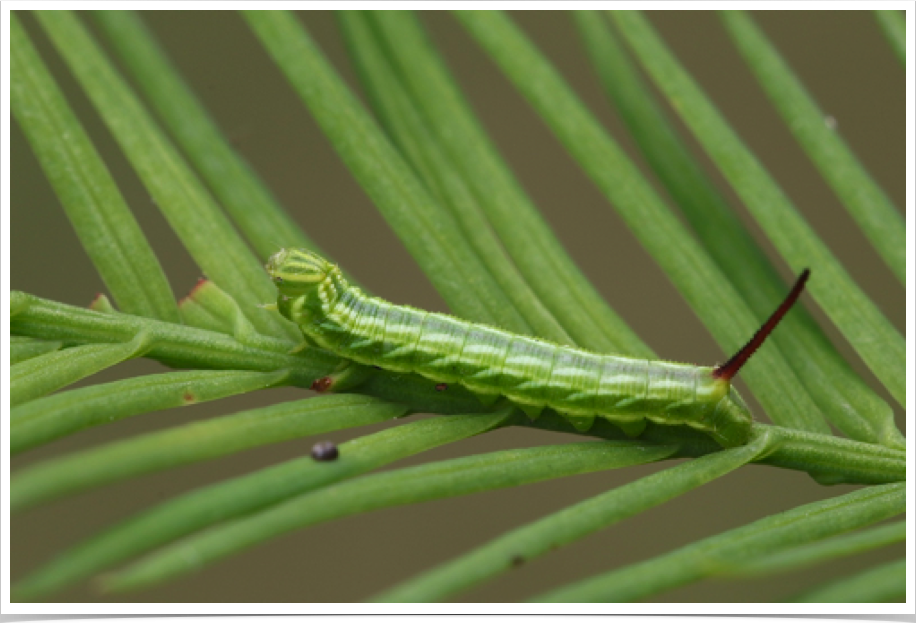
347 376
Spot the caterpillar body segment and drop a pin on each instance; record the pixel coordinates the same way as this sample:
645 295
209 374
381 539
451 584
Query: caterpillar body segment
493 363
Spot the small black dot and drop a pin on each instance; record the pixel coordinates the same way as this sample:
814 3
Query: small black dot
325 451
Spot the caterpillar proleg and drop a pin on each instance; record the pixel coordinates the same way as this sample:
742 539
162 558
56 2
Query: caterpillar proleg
493 363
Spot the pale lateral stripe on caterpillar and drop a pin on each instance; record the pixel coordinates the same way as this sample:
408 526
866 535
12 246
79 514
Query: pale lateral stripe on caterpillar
490 362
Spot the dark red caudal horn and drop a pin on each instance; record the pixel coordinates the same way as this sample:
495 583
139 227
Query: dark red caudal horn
730 368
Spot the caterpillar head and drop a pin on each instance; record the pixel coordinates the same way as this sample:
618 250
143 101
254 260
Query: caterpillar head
297 271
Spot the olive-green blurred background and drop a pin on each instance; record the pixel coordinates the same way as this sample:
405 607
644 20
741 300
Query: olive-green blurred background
841 56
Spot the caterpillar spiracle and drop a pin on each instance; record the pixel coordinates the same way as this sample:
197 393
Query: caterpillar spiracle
493 363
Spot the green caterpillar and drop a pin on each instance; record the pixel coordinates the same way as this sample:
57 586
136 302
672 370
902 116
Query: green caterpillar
492 363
